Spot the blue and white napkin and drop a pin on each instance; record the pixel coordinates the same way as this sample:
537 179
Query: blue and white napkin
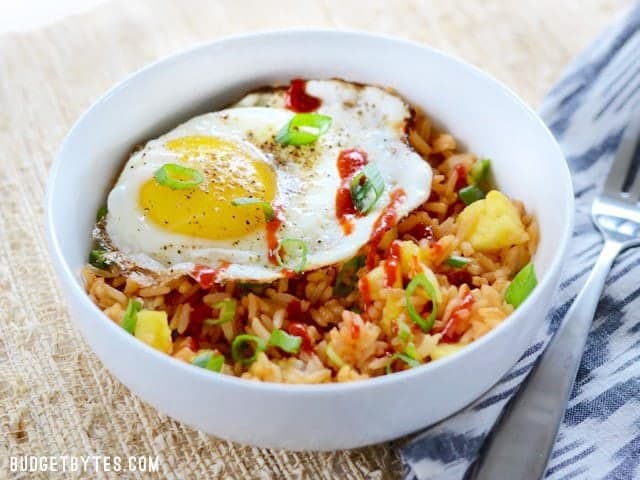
599 438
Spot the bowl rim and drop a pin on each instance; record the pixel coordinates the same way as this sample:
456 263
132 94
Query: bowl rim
69 281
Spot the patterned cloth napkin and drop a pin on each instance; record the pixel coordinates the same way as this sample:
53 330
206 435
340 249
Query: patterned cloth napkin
587 111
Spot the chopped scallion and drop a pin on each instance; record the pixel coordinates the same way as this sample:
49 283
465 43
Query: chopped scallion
177 177
303 129
404 332
457 261
470 194
416 282
227 311
284 341
131 316
101 213
209 360
479 172
245 348
366 188
98 260
347 278
293 248
411 362
334 357
521 286
266 206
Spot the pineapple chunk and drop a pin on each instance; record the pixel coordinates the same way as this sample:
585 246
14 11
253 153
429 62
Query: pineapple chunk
409 252
394 306
375 283
445 349
492 223
152 327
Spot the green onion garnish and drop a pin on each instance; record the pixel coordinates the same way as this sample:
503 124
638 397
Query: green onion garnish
366 188
266 206
411 350
100 214
457 261
521 286
227 312
334 357
479 172
98 260
131 316
245 348
209 360
291 246
347 278
404 332
177 177
303 129
421 280
470 194
411 362
284 341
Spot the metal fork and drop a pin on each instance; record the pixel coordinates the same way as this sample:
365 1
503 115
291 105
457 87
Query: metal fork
519 446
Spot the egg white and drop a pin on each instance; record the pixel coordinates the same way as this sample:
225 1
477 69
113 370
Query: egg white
363 117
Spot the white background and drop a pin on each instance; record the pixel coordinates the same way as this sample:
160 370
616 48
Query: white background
21 15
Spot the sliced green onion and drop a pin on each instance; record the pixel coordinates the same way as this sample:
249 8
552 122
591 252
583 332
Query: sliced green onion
421 280
479 172
404 331
347 278
98 260
334 357
290 246
411 351
457 261
131 316
227 312
177 177
521 286
209 360
284 341
101 213
303 129
244 344
470 194
366 188
266 206
411 362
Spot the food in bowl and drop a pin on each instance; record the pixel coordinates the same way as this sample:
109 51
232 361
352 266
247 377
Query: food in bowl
321 232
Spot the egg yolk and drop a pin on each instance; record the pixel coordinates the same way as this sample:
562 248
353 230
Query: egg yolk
231 170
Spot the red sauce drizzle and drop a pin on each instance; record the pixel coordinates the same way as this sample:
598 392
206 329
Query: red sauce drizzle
272 238
462 176
355 331
384 222
365 291
207 276
299 330
297 98
391 263
295 313
350 161
457 325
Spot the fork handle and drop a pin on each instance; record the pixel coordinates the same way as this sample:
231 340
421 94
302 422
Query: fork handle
520 443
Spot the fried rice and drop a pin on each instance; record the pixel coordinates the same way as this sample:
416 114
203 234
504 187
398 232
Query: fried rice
357 333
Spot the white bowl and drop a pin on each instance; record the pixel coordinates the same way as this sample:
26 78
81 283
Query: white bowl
490 121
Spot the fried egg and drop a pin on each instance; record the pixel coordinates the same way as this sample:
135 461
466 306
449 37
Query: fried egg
169 231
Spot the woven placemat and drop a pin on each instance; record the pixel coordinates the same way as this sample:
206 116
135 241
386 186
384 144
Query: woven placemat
55 397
